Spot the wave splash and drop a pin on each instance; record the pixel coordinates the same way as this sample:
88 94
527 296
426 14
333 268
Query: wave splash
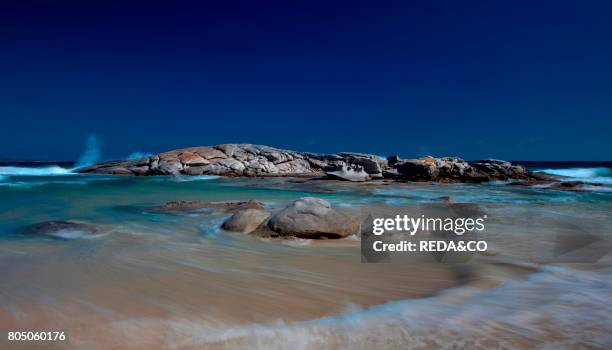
53 170
593 175
91 154
462 317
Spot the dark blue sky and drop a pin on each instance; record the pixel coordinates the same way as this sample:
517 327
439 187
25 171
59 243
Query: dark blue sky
504 79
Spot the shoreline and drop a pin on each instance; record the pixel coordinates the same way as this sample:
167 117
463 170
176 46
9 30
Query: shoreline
152 279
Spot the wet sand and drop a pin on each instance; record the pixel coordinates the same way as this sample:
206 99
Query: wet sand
91 290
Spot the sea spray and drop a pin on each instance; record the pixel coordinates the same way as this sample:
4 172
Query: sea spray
91 154
138 155
6 171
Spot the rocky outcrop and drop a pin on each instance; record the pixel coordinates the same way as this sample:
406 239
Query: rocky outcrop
313 218
500 169
257 160
246 220
226 160
452 169
438 169
62 229
371 165
238 160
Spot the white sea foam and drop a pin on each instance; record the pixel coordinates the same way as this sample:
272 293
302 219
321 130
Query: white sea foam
296 242
91 154
186 178
53 170
593 175
464 317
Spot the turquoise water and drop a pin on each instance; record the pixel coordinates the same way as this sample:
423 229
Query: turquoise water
106 199
182 276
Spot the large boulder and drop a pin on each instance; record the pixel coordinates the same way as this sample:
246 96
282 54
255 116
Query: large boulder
425 169
246 220
370 164
170 166
448 169
313 218
501 169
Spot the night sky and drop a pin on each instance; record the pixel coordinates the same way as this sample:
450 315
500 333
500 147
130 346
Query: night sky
503 79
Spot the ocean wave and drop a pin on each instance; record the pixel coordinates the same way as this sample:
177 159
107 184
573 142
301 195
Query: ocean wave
187 178
535 310
53 170
32 184
593 175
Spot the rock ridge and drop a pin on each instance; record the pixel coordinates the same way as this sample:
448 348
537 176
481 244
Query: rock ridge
249 160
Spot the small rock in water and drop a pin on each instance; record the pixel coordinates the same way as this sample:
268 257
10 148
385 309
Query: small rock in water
576 186
196 205
446 199
62 229
246 220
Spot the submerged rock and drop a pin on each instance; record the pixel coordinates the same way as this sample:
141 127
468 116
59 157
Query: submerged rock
196 205
446 199
313 218
576 186
62 229
246 220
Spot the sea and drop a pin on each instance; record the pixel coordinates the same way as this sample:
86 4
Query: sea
148 279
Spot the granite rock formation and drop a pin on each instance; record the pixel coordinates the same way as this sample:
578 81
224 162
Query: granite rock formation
313 218
257 160
246 220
